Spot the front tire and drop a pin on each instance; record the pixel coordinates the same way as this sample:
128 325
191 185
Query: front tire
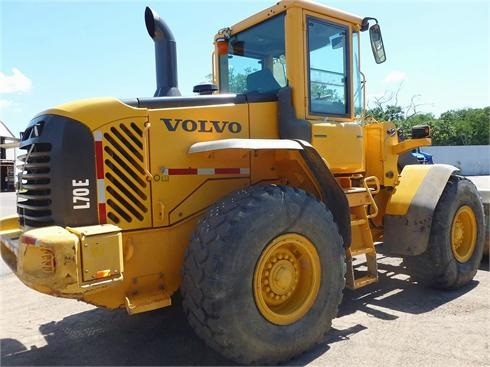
264 274
456 241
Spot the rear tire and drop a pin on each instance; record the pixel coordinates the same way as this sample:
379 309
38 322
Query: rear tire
456 241
264 274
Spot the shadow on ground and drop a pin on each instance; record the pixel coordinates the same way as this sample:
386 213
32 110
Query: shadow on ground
103 337
163 337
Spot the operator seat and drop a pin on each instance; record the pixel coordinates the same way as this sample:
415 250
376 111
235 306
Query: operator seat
262 81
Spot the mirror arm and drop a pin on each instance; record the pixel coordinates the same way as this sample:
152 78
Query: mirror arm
363 83
365 23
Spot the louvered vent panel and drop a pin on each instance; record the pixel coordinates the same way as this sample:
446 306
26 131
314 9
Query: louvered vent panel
127 191
34 195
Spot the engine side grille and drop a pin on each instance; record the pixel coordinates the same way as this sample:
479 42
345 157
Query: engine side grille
34 196
54 165
127 192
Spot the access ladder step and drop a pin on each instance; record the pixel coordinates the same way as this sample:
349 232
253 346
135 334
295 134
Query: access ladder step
358 222
371 276
362 251
368 276
365 280
147 301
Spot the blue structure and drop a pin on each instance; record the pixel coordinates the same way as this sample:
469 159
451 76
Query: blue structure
422 157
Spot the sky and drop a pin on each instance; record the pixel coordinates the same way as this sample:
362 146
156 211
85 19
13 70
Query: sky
51 52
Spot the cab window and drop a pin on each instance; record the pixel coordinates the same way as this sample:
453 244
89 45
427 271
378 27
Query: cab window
328 46
255 61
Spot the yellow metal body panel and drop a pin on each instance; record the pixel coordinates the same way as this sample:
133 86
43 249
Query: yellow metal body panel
153 261
406 145
179 179
263 166
296 60
44 259
341 145
144 265
381 162
101 252
328 11
290 6
96 112
410 183
208 192
9 225
264 120
425 180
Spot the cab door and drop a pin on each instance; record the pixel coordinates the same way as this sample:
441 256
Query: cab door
329 85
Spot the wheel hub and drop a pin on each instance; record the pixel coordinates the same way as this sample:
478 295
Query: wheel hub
458 234
287 279
280 278
463 234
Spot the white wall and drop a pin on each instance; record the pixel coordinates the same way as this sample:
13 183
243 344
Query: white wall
11 154
472 160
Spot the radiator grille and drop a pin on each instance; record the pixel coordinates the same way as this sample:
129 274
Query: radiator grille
34 197
126 187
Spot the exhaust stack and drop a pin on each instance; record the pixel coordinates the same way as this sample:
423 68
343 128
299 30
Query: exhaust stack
165 54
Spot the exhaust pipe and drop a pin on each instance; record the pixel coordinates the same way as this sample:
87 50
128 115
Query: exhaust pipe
165 54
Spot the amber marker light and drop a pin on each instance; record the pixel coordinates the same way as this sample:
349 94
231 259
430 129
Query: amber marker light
103 273
222 45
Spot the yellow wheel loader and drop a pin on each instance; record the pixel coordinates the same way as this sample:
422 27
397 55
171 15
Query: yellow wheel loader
251 198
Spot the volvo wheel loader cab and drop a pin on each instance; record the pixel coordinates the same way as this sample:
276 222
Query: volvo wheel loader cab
254 198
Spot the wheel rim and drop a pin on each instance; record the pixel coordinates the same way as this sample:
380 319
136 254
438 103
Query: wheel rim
463 234
287 279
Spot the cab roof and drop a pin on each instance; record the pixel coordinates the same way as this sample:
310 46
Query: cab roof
284 5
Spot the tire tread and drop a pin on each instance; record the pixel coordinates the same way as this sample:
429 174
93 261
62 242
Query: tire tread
202 262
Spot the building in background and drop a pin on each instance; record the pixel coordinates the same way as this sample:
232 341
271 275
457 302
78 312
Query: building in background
8 144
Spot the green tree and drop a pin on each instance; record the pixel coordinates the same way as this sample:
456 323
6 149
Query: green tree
417 119
468 126
237 82
387 113
321 91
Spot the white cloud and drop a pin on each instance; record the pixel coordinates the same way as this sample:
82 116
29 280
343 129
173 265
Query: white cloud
16 82
395 76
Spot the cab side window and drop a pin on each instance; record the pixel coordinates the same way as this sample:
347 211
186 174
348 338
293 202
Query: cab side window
328 46
255 61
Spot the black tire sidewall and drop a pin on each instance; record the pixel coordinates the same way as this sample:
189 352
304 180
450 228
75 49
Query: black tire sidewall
269 212
449 272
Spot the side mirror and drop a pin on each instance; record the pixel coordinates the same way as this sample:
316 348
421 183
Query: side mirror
377 43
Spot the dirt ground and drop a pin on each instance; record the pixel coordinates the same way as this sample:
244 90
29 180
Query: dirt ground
391 323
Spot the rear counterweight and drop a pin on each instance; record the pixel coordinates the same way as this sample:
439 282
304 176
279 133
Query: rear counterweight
57 182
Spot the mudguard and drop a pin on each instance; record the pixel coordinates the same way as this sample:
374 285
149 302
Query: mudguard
247 144
408 216
332 194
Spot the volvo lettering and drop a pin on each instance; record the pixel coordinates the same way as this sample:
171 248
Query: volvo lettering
202 126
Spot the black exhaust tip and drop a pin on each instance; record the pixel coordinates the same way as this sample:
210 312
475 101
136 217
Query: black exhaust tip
165 54
149 22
